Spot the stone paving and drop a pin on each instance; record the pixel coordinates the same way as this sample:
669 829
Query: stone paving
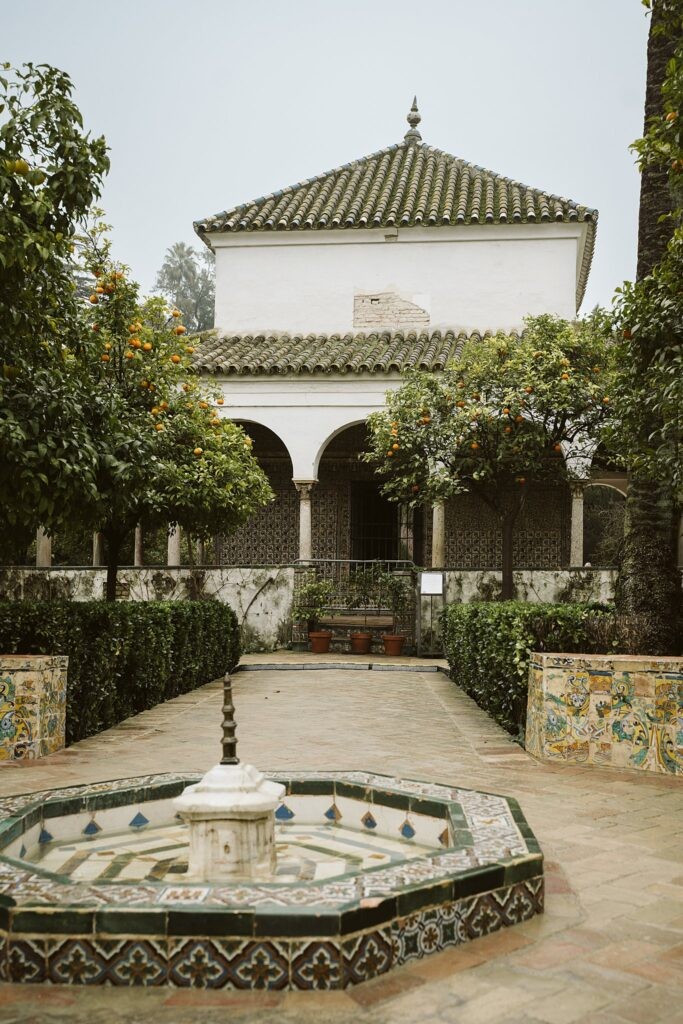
609 949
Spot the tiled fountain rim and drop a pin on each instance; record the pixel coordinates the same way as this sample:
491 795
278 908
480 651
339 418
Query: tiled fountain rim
340 906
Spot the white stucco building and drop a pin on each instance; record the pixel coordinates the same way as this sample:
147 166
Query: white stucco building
328 289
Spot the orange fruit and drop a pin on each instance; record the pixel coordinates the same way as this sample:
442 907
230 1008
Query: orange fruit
390 455
175 358
508 430
132 328
521 480
198 451
107 346
135 342
460 404
105 358
519 419
158 426
528 390
627 333
99 290
95 327
176 312
190 349
671 116
220 401
606 400
395 447
130 355
476 396
557 447
147 346
94 299
179 329
474 446
564 376
186 387
506 411
203 405
163 405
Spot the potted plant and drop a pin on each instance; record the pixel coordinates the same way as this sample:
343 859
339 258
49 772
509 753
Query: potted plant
309 604
396 590
363 595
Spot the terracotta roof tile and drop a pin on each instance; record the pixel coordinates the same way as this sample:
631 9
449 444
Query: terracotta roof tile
363 352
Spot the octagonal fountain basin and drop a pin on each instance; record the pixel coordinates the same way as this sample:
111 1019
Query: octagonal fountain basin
372 872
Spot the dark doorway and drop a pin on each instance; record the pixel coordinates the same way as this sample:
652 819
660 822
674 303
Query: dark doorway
374 523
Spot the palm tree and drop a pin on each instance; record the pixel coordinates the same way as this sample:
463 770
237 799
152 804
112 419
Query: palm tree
187 279
648 585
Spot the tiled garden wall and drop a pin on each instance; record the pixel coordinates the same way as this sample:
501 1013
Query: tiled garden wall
32 705
615 711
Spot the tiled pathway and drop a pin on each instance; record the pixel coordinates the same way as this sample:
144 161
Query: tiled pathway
609 949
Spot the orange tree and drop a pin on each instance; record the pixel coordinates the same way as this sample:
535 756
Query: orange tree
164 455
495 420
51 171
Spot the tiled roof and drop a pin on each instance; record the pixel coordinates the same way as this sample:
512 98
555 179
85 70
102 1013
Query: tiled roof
407 185
386 352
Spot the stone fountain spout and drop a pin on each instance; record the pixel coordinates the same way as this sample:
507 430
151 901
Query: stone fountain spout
230 815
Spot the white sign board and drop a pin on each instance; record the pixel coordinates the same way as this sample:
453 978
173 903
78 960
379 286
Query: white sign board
431 583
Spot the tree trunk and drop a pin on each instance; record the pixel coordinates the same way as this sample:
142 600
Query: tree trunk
507 535
648 584
113 546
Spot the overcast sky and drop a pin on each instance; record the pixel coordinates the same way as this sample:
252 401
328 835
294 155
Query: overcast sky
210 103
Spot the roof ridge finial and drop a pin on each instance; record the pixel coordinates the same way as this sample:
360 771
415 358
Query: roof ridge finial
413 119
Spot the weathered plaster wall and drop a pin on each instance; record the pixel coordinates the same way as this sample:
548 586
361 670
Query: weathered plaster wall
260 597
470 277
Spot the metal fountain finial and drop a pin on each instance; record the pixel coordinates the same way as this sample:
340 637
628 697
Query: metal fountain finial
229 742
413 119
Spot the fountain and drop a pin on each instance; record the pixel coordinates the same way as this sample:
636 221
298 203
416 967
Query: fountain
251 880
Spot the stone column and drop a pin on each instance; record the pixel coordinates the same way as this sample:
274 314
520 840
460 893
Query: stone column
680 542
201 552
406 541
137 548
304 488
173 556
576 537
43 549
438 535
97 549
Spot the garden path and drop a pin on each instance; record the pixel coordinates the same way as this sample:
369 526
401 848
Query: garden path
609 949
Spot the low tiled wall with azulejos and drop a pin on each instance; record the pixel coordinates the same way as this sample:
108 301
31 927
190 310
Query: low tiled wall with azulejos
615 711
32 705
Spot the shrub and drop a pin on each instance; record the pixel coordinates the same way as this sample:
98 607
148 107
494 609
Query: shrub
124 656
488 648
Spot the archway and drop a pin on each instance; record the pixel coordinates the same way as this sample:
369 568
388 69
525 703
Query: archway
352 520
603 524
271 535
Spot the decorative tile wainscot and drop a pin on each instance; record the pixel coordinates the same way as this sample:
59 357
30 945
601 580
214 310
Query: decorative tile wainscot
32 705
616 711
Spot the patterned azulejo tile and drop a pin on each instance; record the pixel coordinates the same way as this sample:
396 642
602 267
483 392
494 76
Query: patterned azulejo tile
260 965
200 963
367 956
315 965
129 962
26 960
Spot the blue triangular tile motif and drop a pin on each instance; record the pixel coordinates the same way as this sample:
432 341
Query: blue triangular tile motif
138 821
407 830
284 813
333 813
45 836
368 820
444 838
91 829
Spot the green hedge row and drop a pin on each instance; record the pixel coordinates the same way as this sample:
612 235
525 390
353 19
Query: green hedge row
124 656
488 647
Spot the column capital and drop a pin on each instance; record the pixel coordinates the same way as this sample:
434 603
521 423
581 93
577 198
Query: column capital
304 487
577 486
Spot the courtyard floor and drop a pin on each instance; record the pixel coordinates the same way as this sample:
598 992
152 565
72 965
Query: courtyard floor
609 949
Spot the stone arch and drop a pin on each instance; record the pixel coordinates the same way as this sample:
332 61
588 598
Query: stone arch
603 523
271 535
336 432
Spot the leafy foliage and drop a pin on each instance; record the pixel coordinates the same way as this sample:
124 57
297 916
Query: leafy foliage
186 278
124 657
499 417
50 173
311 601
488 647
164 453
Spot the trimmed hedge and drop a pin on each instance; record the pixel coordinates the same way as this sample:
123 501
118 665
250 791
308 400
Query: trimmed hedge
124 656
488 647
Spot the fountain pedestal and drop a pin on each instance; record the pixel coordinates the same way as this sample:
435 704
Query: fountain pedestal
230 816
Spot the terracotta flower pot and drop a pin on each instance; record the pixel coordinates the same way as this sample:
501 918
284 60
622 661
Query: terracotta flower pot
393 644
320 642
360 643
